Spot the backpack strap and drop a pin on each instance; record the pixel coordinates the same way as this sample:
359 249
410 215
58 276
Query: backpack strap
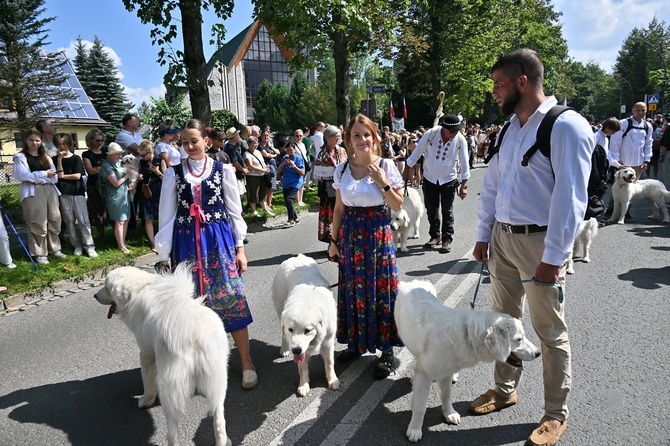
631 126
543 135
344 167
496 148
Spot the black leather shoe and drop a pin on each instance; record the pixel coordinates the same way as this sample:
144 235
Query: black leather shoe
446 247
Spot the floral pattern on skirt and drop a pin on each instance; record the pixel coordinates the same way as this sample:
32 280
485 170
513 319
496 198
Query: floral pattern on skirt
368 281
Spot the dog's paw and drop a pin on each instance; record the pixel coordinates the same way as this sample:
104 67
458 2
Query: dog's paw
414 236
570 270
303 390
454 378
453 418
586 259
666 220
620 222
334 385
146 401
404 249
284 353
414 435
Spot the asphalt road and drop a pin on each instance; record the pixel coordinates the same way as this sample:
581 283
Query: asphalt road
71 376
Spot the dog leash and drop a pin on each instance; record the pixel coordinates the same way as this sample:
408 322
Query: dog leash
514 282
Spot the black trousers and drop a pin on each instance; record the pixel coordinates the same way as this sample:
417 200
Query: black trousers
435 197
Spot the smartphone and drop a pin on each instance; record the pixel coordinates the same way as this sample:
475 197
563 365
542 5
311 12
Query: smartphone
291 157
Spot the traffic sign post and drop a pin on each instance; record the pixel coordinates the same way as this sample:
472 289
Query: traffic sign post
376 89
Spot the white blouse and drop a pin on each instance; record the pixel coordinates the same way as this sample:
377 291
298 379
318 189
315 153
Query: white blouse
256 160
365 192
29 179
167 209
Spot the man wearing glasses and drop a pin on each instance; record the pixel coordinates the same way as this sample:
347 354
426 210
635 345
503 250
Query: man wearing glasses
444 148
529 215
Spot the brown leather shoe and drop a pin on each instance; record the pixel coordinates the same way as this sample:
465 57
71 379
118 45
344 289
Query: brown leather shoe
433 242
490 402
547 433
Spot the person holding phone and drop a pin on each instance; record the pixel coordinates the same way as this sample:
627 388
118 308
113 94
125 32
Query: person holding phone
292 169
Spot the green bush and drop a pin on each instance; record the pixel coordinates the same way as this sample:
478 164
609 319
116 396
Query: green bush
9 197
224 119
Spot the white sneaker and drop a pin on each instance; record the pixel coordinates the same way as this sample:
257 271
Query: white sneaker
301 203
91 252
59 255
78 251
256 214
42 260
269 212
11 266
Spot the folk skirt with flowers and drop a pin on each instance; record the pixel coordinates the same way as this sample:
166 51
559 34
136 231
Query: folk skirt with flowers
223 284
368 281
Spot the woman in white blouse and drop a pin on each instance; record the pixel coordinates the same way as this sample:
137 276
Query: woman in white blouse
200 221
362 242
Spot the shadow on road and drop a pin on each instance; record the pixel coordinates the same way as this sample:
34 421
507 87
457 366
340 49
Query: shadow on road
100 410
648 278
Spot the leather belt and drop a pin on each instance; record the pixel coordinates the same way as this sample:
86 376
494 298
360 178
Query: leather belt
522 229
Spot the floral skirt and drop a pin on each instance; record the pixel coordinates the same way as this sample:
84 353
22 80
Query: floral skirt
223 283
368 281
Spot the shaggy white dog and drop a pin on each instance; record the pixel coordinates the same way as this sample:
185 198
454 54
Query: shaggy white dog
588 229
306 310
626 190
445 340
408 218
130 164
183 345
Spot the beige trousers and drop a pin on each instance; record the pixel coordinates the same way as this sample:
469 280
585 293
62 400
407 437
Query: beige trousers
73 210
514 257
43 220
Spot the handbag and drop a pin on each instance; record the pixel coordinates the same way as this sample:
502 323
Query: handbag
267 179
146 191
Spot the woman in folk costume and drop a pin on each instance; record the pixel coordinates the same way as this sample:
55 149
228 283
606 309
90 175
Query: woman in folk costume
200 222
362 242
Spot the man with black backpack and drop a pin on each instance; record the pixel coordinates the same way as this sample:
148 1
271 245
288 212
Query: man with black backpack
631 147
530 211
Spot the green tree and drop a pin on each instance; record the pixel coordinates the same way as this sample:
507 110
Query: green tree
331 28
270 106
175 113
31 79
298 87
187 66
225 119
98 75
145 112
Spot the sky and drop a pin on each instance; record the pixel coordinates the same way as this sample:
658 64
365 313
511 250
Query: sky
594 30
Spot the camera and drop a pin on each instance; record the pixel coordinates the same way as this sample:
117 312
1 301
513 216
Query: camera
291 157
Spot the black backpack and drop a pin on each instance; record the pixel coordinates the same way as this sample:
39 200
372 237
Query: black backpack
596 186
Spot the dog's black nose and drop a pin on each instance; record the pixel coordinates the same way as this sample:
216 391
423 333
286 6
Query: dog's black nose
537 355
297 351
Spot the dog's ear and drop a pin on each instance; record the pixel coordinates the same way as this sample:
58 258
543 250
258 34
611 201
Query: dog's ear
497 341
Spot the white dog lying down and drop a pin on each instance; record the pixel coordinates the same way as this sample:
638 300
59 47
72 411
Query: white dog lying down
183 345
445 340
626 190
306 310
588 229
408 218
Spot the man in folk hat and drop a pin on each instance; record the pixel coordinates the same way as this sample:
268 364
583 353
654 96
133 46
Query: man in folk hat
445 150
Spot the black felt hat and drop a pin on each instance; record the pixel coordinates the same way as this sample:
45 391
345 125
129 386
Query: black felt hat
452 122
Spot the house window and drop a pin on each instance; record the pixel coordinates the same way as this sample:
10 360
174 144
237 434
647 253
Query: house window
263 61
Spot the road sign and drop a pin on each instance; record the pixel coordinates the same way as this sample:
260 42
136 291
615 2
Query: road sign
623 109
653 98
652 107
376 89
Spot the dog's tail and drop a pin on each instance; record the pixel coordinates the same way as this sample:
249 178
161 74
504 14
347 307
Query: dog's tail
666 196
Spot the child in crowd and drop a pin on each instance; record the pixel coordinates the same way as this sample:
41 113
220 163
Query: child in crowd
73 208
150 188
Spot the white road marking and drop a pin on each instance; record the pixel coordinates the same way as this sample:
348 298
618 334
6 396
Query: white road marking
354 419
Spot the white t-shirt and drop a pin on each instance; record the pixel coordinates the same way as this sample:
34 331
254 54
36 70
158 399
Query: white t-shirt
365 192
256 160
126 139
164 147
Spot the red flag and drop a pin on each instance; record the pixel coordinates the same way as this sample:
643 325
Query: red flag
404 109
392 112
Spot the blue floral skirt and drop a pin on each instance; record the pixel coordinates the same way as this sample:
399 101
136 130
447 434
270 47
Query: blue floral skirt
223 283
368 281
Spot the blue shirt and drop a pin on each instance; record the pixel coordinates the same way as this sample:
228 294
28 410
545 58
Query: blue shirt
291 178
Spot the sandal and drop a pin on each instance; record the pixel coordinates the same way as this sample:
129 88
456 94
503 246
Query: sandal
385 366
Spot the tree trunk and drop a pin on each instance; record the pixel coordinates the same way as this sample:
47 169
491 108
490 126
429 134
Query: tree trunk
194 60
341 57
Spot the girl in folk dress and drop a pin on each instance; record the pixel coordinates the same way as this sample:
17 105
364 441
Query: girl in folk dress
362 242
200 222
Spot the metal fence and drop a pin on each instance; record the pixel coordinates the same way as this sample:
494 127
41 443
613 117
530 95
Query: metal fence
8 184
